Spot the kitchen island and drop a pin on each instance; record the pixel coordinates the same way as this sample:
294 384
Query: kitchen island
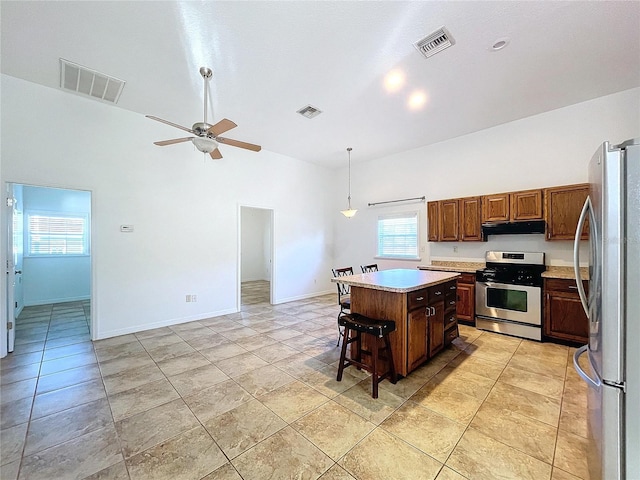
421 303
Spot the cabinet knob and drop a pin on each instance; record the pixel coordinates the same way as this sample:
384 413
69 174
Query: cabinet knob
419 299
452 287
438 292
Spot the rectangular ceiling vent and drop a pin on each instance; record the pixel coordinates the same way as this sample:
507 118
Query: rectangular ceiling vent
85 81
309 111
435 42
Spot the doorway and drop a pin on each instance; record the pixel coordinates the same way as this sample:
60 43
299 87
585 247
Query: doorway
256 256
49 267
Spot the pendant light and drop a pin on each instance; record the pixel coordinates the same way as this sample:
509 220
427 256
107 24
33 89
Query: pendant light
349 212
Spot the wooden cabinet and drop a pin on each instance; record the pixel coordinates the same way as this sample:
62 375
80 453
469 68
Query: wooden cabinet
512 207
470 219
525 205
432 221
562 210
436 328
495 208
466 297
417 334
448 220
564 317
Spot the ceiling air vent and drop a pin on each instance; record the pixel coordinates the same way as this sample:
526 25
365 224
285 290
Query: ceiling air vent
309 111
435 42
85 81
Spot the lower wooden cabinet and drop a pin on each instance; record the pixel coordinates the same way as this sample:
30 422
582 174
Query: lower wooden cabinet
466 296
417 334
564 317
436 328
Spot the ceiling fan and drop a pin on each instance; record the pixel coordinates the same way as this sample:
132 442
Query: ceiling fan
206 137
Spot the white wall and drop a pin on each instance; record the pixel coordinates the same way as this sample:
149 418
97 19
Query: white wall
54 279
184 208
255 244
549 149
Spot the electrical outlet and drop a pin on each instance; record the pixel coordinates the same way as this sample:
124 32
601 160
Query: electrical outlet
188 298
194 298
455 249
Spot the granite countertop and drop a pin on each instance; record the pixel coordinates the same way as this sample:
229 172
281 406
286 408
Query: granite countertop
446 266
397 280
565 272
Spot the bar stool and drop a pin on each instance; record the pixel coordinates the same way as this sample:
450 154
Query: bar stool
356 325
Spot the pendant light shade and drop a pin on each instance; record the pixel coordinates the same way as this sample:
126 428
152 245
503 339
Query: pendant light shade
349 212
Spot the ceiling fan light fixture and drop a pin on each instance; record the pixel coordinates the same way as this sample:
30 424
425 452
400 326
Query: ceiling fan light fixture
205 144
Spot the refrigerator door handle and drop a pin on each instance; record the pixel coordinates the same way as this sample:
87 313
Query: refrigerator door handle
582 373
576 255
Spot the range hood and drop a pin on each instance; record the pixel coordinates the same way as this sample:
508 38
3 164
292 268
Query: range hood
512 228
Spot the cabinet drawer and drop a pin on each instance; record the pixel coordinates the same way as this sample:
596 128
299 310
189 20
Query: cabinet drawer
450 301
469 278
450 319
419 298
563 285
437 293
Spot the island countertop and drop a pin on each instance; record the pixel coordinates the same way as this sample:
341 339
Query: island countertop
397 280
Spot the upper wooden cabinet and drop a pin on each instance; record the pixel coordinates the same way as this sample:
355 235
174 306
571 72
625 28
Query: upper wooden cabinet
495 208
512 207
432 221
448 220
470 221
562 210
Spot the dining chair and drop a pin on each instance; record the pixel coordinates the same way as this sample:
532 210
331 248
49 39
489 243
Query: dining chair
344 296
369 268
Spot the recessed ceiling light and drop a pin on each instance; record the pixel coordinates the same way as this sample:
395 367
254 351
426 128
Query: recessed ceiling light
394 80
417 100
499 44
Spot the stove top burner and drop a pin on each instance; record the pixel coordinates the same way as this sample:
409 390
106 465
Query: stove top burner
508 267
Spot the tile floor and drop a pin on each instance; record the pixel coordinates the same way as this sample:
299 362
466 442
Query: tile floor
253 396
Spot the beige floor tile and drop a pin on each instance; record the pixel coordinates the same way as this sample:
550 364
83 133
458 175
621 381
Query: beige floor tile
523 433
274 353
132 378
462 381
155 342
405 387
125 362
534 382
255 342
480 457
558 474
147 429
15 412
12 442
299 365
358 399
303 459
76 458
573 418
18 373
183 363
238 333
142 398
377 457
222 352
17 359
293 400
9 471
53 353
113 341
17 390
429 369
196 330
216 400
225 472
58 400
533 405
264 379
324 380
67 340
192 454
155 332
449 402
114 472
477 366
336 473
208 340
549 366
245 426
68 424
432 433
193 381
106 352
67 378
333 428
240 364
164 352
284 333
572 454
448 474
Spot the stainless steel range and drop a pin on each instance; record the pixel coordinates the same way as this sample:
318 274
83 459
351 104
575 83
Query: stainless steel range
509 294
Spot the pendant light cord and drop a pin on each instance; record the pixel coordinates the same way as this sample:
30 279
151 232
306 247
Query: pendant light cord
349 197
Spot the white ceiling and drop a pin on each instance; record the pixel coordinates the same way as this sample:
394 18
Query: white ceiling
271 58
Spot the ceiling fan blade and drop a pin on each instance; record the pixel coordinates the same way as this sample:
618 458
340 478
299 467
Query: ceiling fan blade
164 143
170 123
215 154
222 126
238 143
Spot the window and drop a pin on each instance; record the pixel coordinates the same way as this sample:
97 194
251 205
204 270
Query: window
398 235
57 234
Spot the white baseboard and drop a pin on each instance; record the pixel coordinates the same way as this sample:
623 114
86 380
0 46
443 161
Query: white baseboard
56 300
302 297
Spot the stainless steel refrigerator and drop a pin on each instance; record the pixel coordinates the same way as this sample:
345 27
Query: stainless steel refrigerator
612 210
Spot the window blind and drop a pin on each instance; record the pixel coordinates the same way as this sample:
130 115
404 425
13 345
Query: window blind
57 235
398 235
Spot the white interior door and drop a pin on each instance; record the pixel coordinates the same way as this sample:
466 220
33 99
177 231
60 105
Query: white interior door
12 270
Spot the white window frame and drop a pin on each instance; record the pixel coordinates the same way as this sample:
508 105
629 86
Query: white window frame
85 233
414 214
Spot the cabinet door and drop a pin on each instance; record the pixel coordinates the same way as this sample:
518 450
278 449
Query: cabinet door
448 213
432 221
416 339
495 208
564 317
470 220
526 205
466 302
562 210
436 328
